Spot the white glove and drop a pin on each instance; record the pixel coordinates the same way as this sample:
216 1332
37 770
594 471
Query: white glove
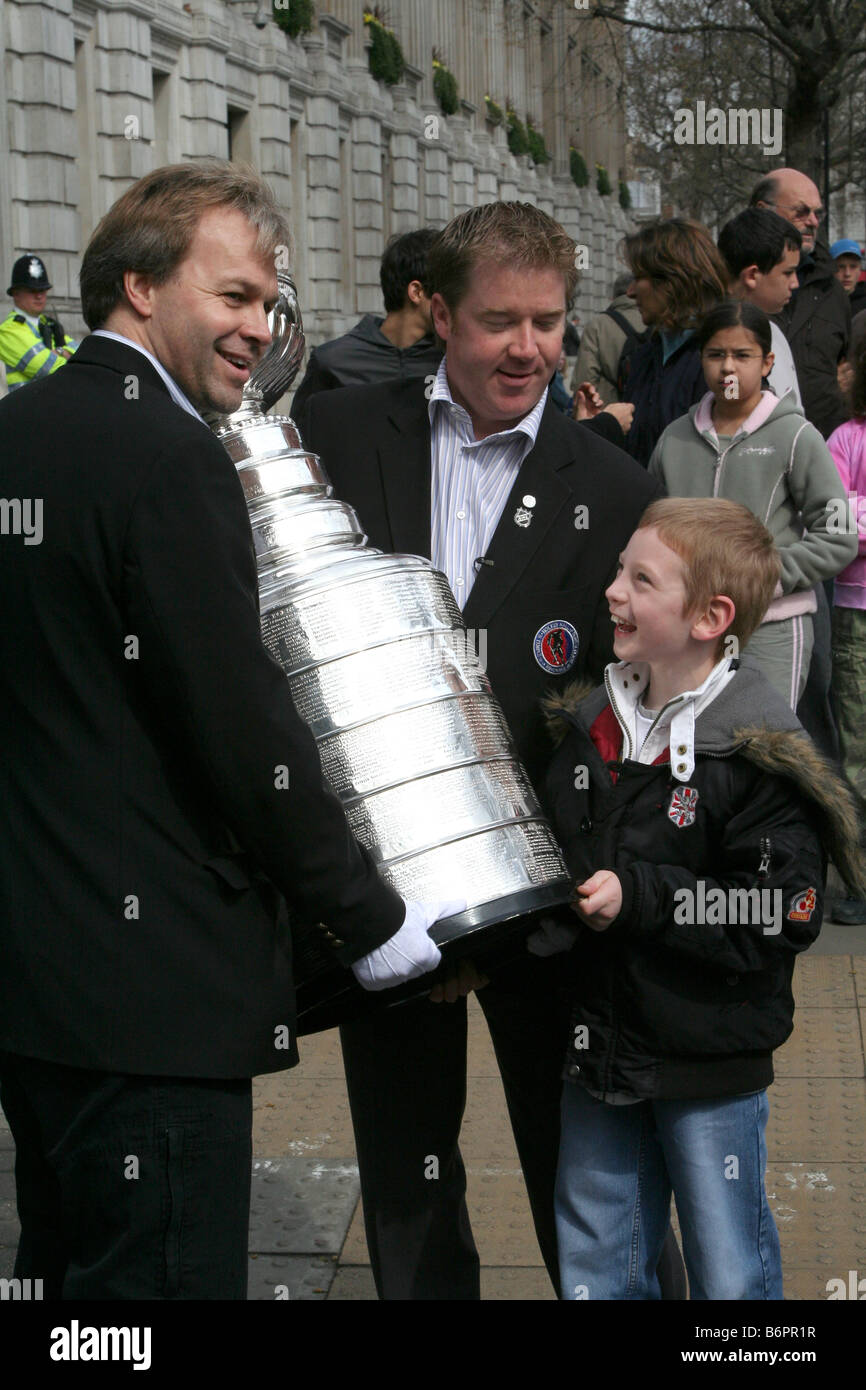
410 951
550 938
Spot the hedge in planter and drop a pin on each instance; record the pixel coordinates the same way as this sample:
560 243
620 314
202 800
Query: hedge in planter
495 113
387 63
579 171
624 195
537 147
602 182
445 88
294 17
518 140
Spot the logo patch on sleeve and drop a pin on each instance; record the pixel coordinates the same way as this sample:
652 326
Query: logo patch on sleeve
555 646
682 806
802 906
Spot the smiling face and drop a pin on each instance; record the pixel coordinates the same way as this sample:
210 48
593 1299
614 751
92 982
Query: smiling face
647 602
502 342
734 366
207 324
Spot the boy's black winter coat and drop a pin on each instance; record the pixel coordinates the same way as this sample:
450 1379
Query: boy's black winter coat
678 1010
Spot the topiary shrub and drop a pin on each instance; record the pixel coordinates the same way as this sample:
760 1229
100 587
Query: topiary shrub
518 140
294 17
445 88
579 171
387 63
537 146
624 195
602 181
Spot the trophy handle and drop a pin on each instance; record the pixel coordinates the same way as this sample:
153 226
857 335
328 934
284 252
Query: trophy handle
279 367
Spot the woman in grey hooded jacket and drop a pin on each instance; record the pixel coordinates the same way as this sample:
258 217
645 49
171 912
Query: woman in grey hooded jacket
742 442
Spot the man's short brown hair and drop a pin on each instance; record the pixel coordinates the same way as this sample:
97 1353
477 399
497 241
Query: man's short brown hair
510 234
151 226
726 550
687 271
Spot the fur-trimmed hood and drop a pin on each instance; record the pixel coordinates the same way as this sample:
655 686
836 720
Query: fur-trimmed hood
780 746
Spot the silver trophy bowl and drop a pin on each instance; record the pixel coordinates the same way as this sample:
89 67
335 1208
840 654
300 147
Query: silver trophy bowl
394 689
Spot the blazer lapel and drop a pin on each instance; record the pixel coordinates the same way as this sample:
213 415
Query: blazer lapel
404 465
513 544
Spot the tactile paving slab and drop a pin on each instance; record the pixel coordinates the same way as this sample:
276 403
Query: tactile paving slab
516 1283
860 980
303 1118
354 1283
820 1212
301 1206
300 1278
482 1059
499 1213
486 1132
825 1042
817 1120
321 1055
812 1285
824 982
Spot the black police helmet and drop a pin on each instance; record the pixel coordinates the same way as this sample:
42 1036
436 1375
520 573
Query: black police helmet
29 273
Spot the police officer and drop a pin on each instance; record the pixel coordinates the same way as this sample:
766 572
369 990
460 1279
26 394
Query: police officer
32 343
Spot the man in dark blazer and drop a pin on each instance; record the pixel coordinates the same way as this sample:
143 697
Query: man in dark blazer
406 456
158 791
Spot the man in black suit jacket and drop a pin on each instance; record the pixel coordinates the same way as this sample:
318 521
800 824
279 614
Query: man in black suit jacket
500 277
158 792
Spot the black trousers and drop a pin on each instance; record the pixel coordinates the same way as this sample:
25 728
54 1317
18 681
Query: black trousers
406 1075
129 1187
815 711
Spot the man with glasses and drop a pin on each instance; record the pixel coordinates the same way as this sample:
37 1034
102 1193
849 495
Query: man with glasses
817 319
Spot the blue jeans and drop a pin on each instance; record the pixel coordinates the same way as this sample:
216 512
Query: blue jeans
617 1167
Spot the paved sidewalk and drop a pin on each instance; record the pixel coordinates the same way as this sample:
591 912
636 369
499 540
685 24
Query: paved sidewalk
306 1234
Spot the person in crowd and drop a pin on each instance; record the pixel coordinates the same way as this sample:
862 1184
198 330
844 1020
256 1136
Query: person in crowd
603 341
33 343
762 253
484 475
677 275
558 390
571 337
743 443
400 345
817 319
161 798
817 323
696 839
848 260
847 445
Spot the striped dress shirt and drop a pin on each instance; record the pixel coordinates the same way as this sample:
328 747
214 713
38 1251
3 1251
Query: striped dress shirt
470 483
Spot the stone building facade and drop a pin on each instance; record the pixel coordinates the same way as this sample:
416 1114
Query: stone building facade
94 93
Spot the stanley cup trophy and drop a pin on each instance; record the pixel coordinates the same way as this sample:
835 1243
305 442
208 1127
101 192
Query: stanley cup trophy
411 738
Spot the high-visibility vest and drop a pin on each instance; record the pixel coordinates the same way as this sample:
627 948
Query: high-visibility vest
24 352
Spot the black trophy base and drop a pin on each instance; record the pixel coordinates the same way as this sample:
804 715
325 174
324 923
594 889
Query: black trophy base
492 934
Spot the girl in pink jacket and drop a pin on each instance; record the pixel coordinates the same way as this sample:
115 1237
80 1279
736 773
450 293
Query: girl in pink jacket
847 444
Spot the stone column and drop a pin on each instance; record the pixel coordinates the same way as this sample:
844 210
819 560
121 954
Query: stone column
40 191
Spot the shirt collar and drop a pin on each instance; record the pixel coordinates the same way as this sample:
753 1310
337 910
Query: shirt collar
440 397
674 724
173 389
